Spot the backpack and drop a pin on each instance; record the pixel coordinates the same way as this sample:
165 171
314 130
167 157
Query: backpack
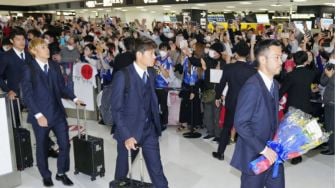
106 103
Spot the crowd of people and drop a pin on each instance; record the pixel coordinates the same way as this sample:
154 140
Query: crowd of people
293 66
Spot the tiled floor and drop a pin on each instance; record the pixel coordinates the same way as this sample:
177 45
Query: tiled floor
188 164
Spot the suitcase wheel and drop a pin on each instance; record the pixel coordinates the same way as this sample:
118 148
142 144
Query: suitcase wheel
76 172
93 178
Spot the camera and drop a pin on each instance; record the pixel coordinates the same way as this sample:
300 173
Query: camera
330 66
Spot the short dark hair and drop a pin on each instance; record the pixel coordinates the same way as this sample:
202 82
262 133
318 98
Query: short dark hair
35 32
90 46
50 34
242 49
129 43
300 57
143 43
17 32
88 38
164 45
263 46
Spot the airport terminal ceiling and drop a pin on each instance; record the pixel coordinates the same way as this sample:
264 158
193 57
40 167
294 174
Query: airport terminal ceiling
275 5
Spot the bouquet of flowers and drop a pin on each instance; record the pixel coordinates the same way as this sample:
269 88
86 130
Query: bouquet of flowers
297 134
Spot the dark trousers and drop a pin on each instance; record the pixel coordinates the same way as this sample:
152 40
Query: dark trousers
264 179
224 138
151 153
162 95
329 122
61 131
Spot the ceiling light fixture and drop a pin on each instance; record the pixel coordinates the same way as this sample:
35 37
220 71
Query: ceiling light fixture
245 3
329 4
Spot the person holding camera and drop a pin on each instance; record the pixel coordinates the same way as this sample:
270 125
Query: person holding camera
328 80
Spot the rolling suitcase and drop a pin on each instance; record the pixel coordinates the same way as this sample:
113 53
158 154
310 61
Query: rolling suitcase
88 152
22 142
130 182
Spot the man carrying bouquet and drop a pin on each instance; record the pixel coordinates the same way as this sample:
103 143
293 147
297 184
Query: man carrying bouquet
256 118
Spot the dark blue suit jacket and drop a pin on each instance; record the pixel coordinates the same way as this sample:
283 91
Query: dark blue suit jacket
129 110
11 68
256 121
36 92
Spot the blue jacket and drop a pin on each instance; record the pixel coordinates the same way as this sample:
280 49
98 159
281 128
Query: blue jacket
128 110
11 68
256 121
36 93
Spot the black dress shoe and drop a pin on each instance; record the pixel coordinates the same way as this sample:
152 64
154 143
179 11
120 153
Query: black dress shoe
218 156
216 139
208 136
296 160
47 182
52 153
64 178
327 152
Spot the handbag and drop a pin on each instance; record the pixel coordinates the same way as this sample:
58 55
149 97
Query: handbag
209 96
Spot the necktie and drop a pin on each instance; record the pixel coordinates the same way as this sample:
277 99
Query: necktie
144 77
45 69
272 90
22 57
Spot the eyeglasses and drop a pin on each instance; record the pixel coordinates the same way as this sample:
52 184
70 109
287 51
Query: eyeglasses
278 58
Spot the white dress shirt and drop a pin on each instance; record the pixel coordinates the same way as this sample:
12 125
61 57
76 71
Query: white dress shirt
139 70
268 82
41 64
18 53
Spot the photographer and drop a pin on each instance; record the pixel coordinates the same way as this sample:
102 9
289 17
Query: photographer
328 80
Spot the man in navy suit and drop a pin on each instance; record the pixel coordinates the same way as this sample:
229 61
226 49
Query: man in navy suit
43 87
11 68
256 118
136 113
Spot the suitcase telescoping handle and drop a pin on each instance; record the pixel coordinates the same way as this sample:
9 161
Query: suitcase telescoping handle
13 111
85 120
141 163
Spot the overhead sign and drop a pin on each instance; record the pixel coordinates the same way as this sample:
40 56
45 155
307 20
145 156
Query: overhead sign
203 14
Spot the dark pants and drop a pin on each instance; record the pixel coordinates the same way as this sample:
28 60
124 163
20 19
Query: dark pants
61 131
329 122
264 179
224 138
162 95
151 153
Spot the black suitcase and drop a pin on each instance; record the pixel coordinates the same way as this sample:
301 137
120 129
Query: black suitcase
88 153
130 182
22 142
23 148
